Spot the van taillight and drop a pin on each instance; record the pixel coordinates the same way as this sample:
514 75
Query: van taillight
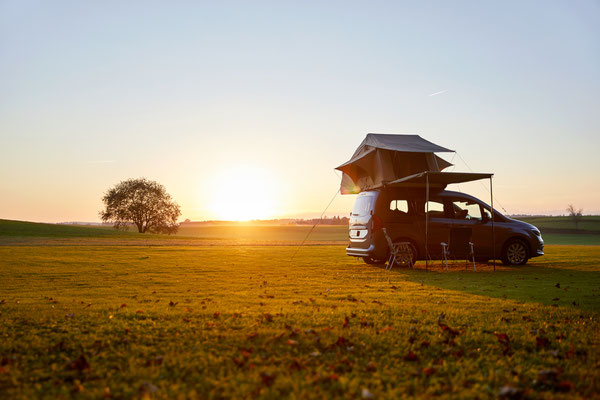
377 223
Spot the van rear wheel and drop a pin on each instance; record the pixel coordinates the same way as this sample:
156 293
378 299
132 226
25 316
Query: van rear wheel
405 260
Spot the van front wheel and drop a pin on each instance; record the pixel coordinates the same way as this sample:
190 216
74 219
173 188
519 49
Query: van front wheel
515 253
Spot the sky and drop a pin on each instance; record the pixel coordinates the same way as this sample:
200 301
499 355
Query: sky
249 106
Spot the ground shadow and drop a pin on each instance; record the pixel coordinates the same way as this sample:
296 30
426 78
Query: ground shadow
532 283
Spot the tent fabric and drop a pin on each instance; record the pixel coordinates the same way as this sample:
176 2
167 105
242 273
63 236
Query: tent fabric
383 158
400 142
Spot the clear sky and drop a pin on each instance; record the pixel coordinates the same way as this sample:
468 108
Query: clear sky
251 105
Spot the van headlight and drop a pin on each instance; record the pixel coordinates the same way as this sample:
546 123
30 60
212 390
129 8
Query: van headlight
537 232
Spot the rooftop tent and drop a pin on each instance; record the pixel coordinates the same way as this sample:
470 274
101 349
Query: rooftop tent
382 158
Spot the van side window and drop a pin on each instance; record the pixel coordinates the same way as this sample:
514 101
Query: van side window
466 210
399 205
436 209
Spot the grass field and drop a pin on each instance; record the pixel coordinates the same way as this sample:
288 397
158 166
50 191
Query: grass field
239 320
555 230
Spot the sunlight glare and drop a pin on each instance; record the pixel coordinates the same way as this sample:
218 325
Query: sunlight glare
243 193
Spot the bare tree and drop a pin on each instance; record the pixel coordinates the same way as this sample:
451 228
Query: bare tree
141 202
574 214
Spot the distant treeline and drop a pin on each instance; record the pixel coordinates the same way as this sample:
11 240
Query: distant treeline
337 220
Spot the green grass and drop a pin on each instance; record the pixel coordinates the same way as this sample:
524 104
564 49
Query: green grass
590 224
241 321
10 228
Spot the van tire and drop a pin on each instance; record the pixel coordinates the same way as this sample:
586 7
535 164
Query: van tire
515 252
413 249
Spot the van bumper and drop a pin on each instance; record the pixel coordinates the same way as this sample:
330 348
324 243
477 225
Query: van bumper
358 252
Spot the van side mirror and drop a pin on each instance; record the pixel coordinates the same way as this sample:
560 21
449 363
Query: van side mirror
485 218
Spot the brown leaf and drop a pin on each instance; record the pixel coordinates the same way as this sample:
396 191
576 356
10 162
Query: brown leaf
155 361
542 342
171 304
502 338
78 364
371 366
346 322
411 357
448 330
266 378
565 386
386 328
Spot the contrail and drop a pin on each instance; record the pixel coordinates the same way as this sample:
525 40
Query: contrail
440 92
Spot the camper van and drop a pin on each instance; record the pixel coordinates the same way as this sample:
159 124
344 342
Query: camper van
407 215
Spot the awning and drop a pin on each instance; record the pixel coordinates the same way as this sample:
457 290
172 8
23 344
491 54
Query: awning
437 179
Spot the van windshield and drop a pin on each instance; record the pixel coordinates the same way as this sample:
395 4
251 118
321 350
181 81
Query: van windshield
362 205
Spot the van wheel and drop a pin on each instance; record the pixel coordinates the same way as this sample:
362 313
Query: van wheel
406 260
372 261
515 253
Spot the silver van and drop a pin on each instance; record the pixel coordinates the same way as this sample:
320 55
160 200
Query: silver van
403 213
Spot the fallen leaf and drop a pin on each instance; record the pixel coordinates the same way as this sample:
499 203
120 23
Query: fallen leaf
79 364
266 378
510 392
411 357
542 342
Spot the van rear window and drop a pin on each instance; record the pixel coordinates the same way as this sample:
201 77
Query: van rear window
362 205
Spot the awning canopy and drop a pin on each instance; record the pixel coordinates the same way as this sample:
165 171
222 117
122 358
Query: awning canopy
437 179
383 158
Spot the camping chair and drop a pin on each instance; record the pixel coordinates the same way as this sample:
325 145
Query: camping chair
460 246
400 252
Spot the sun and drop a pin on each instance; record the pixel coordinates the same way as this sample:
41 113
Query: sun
243 193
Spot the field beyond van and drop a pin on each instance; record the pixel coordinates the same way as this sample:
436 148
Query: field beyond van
92 314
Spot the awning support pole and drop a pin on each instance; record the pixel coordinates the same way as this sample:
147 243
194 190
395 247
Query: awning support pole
493 232
426 220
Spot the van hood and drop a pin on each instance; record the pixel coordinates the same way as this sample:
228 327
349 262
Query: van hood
523 225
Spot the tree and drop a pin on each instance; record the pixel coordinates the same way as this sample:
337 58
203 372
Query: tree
574 214
141 202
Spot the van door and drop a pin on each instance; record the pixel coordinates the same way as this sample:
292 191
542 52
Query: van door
470 214
439 216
